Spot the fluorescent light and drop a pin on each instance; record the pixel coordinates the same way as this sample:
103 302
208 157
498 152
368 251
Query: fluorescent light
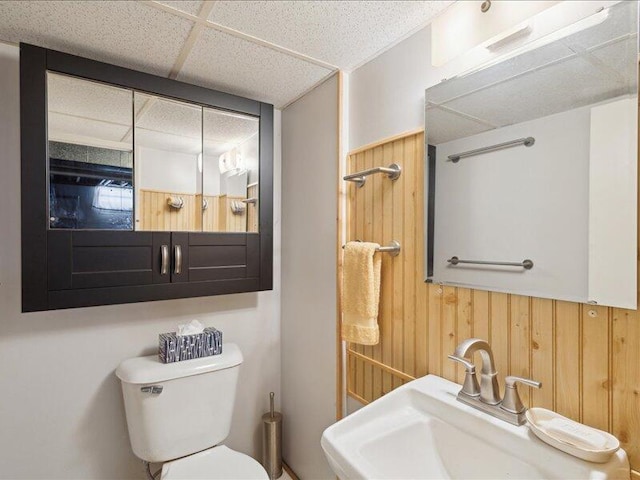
579 26
511 35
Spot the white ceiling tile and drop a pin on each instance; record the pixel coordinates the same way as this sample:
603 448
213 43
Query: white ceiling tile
229 64
91 100
342 33
225 127
62 127
187 6
169 116
129 34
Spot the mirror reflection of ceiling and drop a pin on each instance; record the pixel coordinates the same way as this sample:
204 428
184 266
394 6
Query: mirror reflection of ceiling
225 130
597 62
88 113
92 113
168 125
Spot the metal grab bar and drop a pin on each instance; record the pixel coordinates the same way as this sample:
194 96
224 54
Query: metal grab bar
527 142
393 171
393 248
526 264
249 200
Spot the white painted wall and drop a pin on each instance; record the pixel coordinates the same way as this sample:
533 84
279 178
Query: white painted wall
386 95
61 411
309 195
166 171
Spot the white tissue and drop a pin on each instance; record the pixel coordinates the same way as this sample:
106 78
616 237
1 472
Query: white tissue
191 328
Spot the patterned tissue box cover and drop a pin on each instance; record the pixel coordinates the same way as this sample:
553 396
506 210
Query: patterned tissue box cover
174 348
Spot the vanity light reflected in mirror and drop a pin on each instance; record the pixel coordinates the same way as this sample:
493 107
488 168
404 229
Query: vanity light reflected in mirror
230 172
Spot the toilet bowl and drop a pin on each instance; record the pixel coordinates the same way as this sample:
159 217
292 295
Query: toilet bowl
179 413
217 463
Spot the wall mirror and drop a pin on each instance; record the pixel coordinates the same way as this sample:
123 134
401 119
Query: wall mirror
533 167
230 168
168 152
90 154
127 160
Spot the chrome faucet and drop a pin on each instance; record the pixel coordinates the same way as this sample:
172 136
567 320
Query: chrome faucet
486 395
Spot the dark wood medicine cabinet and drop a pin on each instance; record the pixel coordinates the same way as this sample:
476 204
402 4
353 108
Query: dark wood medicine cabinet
68 265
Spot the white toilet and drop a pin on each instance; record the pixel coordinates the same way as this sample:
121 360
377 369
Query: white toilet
178 412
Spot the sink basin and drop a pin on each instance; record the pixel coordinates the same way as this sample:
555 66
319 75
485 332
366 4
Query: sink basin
420 431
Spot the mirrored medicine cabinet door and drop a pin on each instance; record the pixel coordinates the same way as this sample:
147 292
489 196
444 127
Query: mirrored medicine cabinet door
127 160
533 166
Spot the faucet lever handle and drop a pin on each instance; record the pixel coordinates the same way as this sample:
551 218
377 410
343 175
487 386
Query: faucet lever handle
470 367
511 401
470 386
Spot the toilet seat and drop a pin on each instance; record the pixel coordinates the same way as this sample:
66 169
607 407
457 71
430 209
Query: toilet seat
217 463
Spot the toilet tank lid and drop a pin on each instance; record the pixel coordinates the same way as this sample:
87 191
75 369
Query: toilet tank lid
150 369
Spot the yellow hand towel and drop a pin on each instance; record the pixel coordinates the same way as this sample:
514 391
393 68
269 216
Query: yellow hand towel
360 293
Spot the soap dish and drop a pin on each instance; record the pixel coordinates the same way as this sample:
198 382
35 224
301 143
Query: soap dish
571 437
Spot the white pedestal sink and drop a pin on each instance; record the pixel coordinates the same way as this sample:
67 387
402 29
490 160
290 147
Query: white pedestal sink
420 431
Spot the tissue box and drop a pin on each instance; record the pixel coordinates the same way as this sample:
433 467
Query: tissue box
175 348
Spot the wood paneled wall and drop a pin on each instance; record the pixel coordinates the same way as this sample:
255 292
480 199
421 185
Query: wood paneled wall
587 357
252 208
218 216
156 215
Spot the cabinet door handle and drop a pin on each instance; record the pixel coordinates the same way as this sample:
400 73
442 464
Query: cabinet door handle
164 267
178 254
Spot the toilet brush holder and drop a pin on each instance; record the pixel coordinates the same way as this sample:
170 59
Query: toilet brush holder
272 441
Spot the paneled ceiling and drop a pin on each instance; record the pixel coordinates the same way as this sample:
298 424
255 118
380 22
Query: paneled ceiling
272 51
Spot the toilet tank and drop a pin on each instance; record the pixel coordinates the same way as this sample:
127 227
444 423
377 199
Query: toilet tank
176 409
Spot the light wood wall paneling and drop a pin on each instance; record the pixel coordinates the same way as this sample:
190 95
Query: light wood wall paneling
543 351
360 201
367 236
520 342
434 326
397 335
218 216
236 222
252 209
596 340
568 359
463 324
377 233
408 299
500 332
587 357
625 376
388 262
198 213
158 216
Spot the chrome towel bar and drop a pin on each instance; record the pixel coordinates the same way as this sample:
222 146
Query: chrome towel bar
526 264
527 142
393 248
393 171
